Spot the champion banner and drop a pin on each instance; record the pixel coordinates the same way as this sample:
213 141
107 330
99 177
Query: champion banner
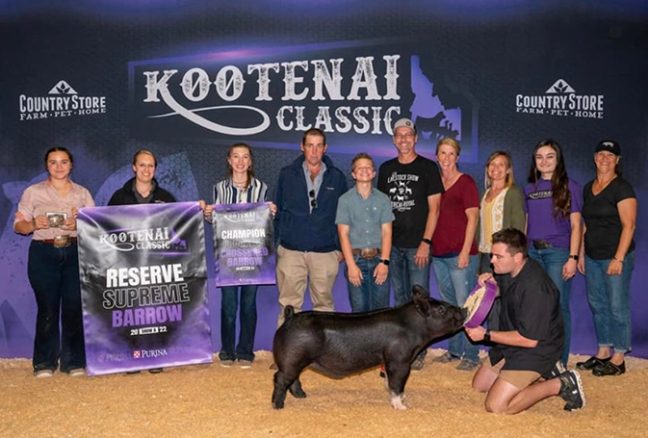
243 244
143 286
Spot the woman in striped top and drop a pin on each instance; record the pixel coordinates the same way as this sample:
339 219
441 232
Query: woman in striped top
240 187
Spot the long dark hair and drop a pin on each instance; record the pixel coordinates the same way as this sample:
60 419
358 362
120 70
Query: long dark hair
559 181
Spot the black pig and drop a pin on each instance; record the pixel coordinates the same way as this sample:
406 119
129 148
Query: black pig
339 344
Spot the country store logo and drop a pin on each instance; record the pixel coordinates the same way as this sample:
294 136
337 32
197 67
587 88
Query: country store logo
61 101
561 100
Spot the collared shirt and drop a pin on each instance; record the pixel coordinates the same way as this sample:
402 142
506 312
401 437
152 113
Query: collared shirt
365 217
41 198
225 192
313 184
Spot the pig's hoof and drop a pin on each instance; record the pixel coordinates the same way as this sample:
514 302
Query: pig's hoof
397 402
296 390
277 405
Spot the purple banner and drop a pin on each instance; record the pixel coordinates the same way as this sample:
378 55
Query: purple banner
243 244
143 286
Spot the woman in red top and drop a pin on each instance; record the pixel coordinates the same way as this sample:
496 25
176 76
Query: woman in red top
454 251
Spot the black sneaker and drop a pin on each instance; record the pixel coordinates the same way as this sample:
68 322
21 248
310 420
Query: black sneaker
571 390
591 363
556 371
609 369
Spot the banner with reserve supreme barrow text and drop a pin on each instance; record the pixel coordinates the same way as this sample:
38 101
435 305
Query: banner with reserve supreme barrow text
243 244
143 286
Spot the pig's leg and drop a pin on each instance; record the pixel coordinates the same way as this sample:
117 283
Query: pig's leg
296 389
280 386
397 375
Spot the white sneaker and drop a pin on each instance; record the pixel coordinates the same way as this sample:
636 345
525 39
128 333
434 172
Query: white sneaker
245 364
43 374
77 372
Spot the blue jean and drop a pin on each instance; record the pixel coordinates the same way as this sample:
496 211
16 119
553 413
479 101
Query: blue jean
248 316
609 299
54 275
368 296
404 274
454 286
552 261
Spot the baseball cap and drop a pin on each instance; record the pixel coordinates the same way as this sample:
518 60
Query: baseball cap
404 122
610 146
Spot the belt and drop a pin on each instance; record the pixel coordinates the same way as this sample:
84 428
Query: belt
542 244
365 253
59 241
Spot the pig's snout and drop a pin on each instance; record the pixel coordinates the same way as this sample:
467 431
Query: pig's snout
457 316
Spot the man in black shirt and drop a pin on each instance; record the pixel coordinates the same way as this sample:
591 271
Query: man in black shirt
413 185
529 339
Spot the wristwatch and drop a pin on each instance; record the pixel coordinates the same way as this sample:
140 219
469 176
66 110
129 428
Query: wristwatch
426 240
573 256
384 262
487 336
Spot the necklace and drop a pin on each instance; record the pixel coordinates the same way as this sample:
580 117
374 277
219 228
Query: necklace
240 184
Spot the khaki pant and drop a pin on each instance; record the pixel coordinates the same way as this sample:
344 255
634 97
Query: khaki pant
518 378
295 267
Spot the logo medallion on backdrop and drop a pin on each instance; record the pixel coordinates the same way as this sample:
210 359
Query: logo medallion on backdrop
269 95
561 100
61 101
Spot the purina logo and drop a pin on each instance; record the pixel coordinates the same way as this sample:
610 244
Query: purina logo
61 101
144 354
561 100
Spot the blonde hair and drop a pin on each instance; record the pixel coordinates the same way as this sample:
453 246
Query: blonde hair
450 142
144 151
510 178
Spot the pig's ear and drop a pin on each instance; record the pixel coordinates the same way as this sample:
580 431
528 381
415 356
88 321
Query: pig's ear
422 304
418 290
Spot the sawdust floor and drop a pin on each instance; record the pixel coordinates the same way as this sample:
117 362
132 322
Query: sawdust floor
211 401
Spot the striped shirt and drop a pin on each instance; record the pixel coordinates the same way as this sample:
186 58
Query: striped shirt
225 192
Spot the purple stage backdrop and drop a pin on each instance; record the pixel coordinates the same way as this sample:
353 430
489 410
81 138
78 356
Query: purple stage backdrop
188 79
143 286
243 244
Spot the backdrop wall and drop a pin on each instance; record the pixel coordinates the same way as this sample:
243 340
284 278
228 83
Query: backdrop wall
187 79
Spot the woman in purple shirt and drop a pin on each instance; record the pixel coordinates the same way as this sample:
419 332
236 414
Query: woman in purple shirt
553 204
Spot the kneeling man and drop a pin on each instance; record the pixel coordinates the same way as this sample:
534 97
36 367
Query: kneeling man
522 367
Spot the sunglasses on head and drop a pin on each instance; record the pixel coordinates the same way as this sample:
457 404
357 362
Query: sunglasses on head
313 201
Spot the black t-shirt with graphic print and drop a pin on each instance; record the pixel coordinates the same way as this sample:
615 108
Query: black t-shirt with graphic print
408 187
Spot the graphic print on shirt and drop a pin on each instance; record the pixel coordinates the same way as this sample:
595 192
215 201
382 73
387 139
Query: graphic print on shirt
540 194
400 191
